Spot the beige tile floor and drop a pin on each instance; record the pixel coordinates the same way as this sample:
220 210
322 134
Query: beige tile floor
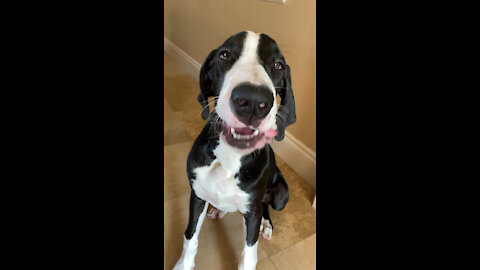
293 243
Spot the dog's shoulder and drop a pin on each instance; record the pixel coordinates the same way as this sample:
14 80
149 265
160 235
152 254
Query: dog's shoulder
257 166
201 154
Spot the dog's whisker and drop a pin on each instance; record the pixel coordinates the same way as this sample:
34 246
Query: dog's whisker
280 106
207 106
215 120
282 113
215 98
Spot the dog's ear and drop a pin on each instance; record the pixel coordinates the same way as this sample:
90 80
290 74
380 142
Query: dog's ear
207 86
286 113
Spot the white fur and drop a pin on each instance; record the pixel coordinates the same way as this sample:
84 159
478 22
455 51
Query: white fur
228 157
246 69
249 253
217 183
249 257
266 229
187 260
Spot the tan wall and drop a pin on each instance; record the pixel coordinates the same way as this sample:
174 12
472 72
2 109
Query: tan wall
199 26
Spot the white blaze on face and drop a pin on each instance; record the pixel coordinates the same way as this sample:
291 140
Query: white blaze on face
246 69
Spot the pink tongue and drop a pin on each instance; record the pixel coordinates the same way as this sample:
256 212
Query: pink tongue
270 133
244 131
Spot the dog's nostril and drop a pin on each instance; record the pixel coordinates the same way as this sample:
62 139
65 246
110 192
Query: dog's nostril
241 102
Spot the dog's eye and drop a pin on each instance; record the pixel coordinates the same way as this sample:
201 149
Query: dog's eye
224 55
278 65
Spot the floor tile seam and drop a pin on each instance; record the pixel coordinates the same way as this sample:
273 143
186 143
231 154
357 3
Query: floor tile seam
180 142
192 141
289 246
274 267
164 202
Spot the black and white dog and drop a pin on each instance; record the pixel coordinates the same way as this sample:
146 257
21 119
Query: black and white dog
231 166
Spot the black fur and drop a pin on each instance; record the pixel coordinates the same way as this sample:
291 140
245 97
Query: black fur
287 110
196 206
207 79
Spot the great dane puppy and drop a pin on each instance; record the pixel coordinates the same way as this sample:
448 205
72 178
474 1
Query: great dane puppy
231 165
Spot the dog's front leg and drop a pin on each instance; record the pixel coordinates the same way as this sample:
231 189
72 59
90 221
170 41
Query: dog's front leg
198 209
251 228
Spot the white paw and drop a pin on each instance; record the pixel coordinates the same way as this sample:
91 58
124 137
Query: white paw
266 229
187 259
214 213
242 267
183 265
249 257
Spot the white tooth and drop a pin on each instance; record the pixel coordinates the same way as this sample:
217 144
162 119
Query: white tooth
232 130
243 137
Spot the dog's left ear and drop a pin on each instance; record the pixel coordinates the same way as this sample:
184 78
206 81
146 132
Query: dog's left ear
286 113
207 87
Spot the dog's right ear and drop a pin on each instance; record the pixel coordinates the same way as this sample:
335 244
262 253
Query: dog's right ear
287 110
207 83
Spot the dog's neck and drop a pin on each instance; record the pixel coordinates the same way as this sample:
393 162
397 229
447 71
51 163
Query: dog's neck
229 157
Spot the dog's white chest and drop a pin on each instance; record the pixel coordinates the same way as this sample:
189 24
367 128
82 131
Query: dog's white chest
219 188
217 184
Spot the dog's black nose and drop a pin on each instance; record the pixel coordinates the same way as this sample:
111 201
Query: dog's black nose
251 103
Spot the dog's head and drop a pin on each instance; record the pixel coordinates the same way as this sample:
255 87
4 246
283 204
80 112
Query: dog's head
245 74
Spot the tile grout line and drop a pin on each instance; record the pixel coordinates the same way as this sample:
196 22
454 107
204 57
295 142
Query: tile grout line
289 246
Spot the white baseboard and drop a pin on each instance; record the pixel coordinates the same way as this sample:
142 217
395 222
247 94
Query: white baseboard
191 66
296 154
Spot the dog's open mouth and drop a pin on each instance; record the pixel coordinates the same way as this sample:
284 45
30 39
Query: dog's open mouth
242 138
